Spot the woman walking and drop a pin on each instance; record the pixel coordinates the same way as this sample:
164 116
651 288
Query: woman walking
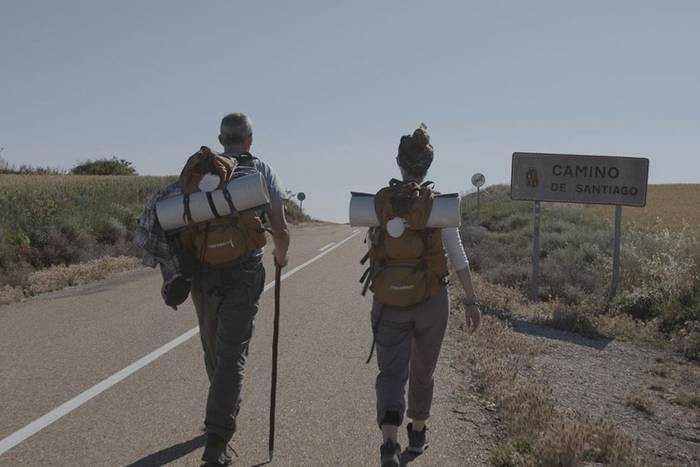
408 276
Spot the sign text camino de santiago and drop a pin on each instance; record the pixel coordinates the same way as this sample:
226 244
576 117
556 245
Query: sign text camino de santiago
567 178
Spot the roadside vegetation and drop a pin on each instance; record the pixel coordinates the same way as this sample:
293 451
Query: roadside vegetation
60 220
50 222
537 430
105 166
659 298
25 169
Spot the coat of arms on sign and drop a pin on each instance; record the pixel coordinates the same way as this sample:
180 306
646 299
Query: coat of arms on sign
532 179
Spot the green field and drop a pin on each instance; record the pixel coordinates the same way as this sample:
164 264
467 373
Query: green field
66 219
34 205
63 219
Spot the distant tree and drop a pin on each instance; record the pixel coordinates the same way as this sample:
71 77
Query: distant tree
105 166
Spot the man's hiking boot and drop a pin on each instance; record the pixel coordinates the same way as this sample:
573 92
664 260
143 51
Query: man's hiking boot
417 440
391 453
217 452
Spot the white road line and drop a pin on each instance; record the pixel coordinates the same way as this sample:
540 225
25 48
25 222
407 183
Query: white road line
64 409
326 247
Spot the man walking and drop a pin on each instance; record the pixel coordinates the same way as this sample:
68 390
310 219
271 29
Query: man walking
225 297
226 301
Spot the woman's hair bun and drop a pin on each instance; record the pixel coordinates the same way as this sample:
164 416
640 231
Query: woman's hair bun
421 138
416 152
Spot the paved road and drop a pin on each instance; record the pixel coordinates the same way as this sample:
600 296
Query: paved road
57 346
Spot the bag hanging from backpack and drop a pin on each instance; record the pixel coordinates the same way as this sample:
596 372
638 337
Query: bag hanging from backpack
407 262
227 238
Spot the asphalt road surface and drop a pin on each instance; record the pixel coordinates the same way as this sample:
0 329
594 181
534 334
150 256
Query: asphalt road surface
107 375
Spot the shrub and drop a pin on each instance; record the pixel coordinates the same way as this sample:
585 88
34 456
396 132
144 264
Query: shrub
639 303
64 219
576 321
15 274
641 403
509 454
59 250
511 275
105 166
687 340
111 231
294 213
24 169
660 268
9 294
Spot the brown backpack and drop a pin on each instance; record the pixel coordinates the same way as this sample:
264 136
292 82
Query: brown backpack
224 240
411 268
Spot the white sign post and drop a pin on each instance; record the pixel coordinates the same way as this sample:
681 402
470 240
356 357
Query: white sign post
568 178
478 180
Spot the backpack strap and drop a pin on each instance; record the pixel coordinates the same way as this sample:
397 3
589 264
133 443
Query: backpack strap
375 331
229 201
244 158
188 212
203 250
212 206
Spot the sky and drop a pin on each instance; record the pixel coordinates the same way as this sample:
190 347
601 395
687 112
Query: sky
332 86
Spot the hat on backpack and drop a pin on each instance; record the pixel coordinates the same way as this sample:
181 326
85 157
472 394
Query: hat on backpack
176 290
416 152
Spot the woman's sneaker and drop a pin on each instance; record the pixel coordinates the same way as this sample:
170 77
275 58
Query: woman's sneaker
391 453
417 440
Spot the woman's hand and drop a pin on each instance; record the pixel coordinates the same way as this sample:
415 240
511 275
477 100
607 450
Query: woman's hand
472 316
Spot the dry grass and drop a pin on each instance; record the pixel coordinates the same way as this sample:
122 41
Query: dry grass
691 401
660 290
624 327
640 402
660 372
586 320
675 205
60 277
9 294
539 432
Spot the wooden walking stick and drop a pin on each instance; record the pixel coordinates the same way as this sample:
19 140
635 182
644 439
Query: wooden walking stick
275 344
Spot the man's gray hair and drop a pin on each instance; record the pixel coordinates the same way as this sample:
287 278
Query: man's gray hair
235 128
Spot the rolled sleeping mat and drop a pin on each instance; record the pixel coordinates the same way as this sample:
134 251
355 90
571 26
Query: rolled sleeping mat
247 192
445 212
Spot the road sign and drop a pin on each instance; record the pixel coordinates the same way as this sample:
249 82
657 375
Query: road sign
478 180
569 178
301 196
